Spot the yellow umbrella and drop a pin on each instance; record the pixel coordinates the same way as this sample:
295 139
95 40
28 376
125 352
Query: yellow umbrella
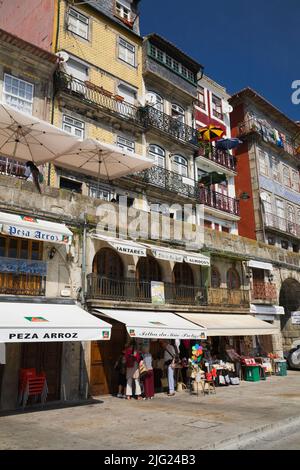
210 133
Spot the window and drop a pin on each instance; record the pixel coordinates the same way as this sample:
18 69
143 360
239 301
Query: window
73 126
177 112
77 69
78 23
291 228
267 202
179 165
158 154
172 64
280 211
20 248
125 144
286 176
215 278
155 101
201 98
284 244
126 52
18 93
295 180
100 193
275 169
70 185
217 107
123 10
128 93
233 279
263 162
271 241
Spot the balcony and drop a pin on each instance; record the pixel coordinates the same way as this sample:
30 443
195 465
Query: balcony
223 296
264 291
131 290
221 157
253 126
281 224
96 95
218 201
156 119
166 180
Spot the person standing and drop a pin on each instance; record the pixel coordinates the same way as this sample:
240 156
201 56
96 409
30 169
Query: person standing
149 376
133 358
32 172
169 358
120 367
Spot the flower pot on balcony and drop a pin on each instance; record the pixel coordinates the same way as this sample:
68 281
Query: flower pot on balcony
119 98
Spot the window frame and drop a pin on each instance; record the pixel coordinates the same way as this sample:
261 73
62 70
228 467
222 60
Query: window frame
79 14
286 173
262 155
126 48
13 95
128 145
124 7
214 107
68 116
156 156
179 113
201 104
182 163
158 102
295 184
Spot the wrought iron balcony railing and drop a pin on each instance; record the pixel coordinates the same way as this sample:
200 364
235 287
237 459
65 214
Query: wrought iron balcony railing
266 133
131 290
97 95
284 225
166 180
222 157
264 291
217 201
152 117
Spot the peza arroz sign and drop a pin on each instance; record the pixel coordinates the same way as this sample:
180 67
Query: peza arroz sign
42 235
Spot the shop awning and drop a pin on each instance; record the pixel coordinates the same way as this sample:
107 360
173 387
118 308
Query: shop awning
266 309
230 324
41 322
127 247
35 229
178 256
152 324
260 265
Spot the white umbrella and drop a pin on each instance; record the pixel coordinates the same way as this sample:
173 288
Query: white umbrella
27 138
102 160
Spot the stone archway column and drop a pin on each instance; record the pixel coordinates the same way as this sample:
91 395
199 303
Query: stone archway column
277 342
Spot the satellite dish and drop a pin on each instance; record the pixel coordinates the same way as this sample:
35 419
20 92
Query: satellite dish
227 108
63 56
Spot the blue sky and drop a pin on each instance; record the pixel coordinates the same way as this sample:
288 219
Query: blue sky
240 42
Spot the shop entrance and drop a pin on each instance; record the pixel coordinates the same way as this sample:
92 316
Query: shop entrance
45 357
104 354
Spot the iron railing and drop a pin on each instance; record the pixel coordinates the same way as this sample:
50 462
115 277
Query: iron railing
264 291
222 157
218 201
252 125
97 95
151 117
131 290
284 225
166 180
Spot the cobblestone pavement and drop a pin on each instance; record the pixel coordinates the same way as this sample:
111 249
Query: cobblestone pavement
181 422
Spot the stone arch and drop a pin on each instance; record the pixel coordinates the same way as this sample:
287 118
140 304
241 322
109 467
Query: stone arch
183 274
108 263
289 298
148 269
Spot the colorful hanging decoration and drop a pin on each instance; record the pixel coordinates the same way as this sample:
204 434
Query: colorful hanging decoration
197 352
210 133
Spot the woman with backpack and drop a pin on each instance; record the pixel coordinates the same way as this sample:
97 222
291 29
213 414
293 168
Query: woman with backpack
133 359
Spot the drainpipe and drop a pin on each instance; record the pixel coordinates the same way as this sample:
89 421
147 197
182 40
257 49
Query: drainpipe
82 393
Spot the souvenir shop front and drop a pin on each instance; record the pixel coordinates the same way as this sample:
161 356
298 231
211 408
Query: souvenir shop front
230 349
149 329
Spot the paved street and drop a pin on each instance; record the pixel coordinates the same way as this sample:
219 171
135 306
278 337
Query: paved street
183 422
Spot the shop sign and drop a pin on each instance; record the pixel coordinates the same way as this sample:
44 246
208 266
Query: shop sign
26 335
295 316
41 235
22 266
129 250
157 292
165 333
200 260
168 256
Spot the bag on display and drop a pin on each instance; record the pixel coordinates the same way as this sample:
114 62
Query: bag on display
221 380
142 369
235 381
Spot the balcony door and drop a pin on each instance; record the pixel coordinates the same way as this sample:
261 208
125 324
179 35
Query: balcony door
109 268
183 279
147 270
